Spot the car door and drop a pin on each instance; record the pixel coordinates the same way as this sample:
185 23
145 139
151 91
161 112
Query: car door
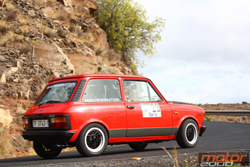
148 114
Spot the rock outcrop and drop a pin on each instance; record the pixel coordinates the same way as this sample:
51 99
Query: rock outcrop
48 39
41 40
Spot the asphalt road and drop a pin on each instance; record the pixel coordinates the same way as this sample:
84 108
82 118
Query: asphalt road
218 137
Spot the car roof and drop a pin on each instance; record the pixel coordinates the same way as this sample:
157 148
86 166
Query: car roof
97 75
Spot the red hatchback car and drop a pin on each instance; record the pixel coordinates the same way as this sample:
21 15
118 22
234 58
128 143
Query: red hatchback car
92 111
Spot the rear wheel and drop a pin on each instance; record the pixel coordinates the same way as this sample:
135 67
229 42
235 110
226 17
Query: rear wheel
92 140
138 146
188 134
47 151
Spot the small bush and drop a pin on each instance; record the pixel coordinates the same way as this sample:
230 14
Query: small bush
134 68
50 2
24 29
22 21
49 32
208 118
63 17
73 22
88 36
3 41
25 49
11 14
110 70
99 51
79 33
61 33
72 28
9 6
18 38
3 26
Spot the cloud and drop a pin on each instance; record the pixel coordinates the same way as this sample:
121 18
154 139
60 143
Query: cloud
204 54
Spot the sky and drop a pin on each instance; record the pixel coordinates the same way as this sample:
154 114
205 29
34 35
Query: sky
204 54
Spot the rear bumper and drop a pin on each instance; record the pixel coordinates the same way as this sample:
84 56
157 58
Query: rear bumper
48 136
203 129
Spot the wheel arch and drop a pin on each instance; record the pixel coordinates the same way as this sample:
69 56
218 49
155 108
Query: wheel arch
184 119
187 117
74 138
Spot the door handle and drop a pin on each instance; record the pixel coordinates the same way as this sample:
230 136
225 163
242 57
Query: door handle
130 106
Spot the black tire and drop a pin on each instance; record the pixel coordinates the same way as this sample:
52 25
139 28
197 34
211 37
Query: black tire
47 151
188 134
138 146
92 140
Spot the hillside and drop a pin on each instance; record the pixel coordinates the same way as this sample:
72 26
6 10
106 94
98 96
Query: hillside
45 39
41 40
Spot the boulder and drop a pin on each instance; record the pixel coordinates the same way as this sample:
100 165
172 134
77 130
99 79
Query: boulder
52 56
2 58
92 6
66 2
5 117
3 78
31 13
48 12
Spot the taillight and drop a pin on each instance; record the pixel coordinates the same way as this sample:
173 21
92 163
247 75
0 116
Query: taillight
59 122
25 123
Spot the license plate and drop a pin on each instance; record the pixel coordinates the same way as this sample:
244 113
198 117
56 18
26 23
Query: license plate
40 123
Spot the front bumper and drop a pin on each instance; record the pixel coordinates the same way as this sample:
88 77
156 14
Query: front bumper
203 129
48 136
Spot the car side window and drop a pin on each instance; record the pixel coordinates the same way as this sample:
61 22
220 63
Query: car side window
102 90
139 91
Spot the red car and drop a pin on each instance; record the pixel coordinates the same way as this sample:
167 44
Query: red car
92 111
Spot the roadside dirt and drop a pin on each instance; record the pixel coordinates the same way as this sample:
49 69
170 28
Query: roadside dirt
233 106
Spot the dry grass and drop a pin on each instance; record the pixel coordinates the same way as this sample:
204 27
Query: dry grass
18 38
100 50
3 41
63 17
9 6
186 160
49 32
110 70
11 14
232 119
72 28
14 145
4 27
88 36
50 2
175 158
4 148
25 49
22 21
61 33
24 29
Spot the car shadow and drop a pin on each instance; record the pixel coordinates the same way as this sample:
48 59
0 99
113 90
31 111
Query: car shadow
110 153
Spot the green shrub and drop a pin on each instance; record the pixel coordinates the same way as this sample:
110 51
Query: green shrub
127 27
208 118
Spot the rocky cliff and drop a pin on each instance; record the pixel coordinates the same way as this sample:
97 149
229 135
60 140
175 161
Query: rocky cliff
44 39
41 40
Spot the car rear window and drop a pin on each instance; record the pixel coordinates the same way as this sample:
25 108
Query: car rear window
57 93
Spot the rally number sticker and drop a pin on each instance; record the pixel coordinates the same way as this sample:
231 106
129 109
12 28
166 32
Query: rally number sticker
150 110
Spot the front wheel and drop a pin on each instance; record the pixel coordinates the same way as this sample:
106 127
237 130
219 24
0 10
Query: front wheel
138 146
92 140
47 151
187 136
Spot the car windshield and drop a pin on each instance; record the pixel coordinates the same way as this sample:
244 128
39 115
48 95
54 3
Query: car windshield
57 93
